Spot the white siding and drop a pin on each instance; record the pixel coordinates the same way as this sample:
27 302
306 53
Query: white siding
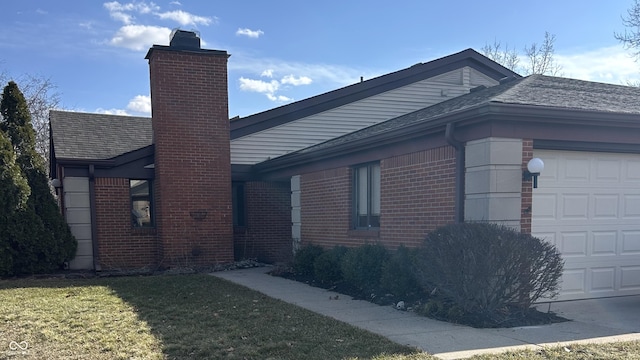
77 209
305 132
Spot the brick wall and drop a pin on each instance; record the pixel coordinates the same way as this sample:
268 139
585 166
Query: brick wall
325 211
192 160
417 196
120 246
527 188
267 233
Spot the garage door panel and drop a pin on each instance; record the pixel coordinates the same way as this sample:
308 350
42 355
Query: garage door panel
606 206
574 206
607 170
631 206
604 243
603 279
573 282
630 242
573 244
630 278
588 205
632 171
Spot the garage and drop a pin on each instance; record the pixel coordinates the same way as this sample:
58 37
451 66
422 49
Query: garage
588 205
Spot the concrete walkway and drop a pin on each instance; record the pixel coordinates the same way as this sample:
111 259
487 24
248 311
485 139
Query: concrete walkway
602 320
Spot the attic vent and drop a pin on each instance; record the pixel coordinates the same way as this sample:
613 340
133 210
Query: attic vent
478 88
508 79
187 40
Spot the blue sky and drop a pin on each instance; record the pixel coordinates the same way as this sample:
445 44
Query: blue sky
288 50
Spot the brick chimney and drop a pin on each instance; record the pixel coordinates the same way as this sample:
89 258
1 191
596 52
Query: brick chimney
192 187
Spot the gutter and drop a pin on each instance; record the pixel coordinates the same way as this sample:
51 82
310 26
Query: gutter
460 166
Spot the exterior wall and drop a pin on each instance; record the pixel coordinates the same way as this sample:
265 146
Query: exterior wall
527 188
77 212
493 181
314 129
416 196
267 234
120 245
192 161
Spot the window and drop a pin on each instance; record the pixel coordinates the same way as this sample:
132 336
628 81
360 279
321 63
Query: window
237 199
366 190
141 203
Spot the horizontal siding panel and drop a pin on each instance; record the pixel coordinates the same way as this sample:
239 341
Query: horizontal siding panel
312 130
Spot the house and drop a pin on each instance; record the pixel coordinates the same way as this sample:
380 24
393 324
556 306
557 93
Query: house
385 160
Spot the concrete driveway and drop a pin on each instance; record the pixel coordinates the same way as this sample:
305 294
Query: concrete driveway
621 313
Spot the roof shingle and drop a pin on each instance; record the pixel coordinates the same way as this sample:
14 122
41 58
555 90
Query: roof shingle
77 135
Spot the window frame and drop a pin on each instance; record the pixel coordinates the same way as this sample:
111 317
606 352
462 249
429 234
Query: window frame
371 219
238 204
150 200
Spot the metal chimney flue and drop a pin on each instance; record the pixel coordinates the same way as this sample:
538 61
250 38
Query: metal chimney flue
184 40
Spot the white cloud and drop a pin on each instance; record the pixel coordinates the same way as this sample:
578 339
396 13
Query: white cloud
176 3
140 104
259 85
112 112
332 76
122 12
292 80
184 18
140 37
250 33
267 73
279 98
609 64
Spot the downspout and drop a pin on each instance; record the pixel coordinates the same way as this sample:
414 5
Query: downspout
94 225
459 186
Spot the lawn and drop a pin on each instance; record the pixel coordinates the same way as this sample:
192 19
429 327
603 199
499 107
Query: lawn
195 317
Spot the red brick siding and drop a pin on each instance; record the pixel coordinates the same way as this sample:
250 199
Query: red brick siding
120 246
417 196
267 234
192 160
527 188
325 212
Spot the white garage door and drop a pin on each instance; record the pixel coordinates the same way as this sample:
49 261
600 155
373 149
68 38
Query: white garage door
588 205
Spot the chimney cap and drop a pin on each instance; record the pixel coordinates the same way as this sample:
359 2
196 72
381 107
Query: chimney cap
185 40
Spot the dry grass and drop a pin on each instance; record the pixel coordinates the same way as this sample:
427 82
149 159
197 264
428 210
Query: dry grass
175 317
197 317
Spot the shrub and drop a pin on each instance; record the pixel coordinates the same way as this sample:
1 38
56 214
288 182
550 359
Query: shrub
327 265
362 266
486 268
304 259
398 274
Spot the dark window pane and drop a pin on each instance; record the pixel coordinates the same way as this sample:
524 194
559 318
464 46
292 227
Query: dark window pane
141 204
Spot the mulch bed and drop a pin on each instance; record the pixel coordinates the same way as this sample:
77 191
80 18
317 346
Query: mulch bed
508 318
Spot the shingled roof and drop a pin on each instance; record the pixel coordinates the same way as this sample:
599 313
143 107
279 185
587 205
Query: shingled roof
77 135
534 90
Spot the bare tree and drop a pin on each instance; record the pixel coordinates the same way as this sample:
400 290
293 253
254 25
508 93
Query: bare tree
631 36
506 57
538 59
41 96
541 59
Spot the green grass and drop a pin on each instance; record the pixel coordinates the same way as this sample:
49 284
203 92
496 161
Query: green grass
197 317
